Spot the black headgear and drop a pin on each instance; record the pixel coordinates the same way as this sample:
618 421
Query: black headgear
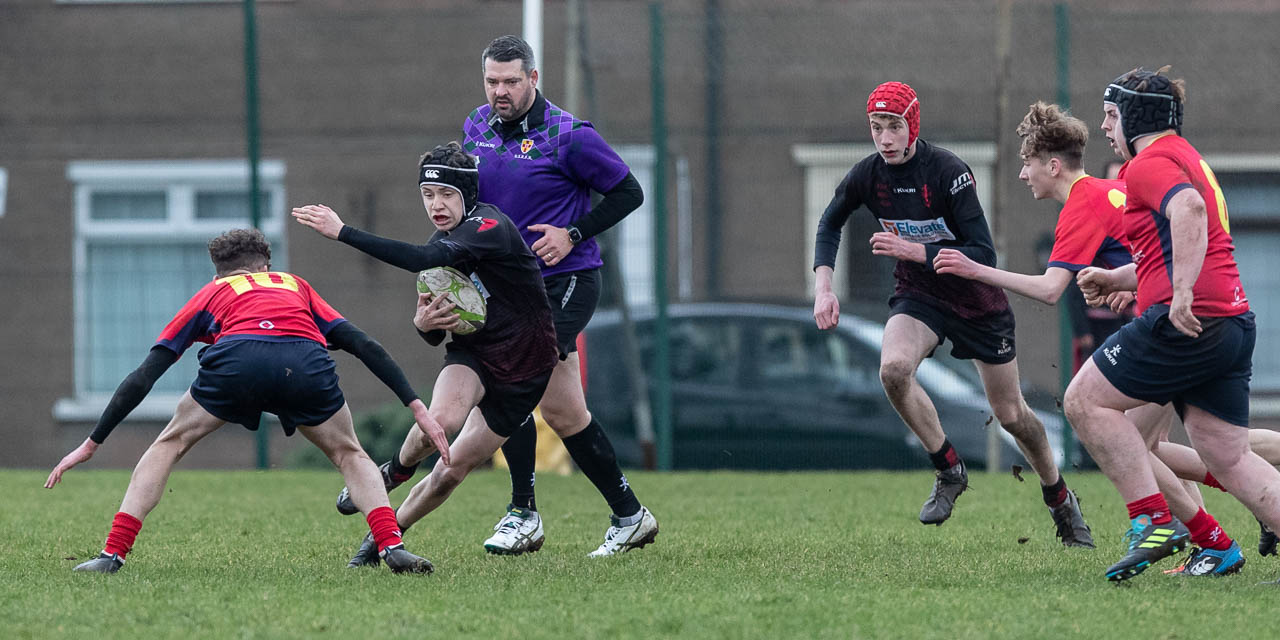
466 181
1151 110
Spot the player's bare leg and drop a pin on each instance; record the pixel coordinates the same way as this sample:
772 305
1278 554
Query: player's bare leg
1001 382
1265 443
564 407
906 343
457 392
1224 447
1005 396
1154 422
474 445
336 437
415 448
1097 411
564 403
189 424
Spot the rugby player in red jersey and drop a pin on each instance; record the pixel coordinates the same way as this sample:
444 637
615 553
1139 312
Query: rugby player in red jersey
1090 232
1192 343
267 331
925 200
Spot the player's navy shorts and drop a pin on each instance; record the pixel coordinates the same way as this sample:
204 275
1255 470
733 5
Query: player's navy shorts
505 405
988 339
240 377
573 297
1149 359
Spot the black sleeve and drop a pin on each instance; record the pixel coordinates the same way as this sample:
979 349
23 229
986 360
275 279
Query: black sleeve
973 236
619 201
410 257
842 204
433 337
132 390
350 338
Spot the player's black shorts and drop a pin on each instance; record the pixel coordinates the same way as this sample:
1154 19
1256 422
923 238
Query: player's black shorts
241 377
573 298
1149 359
988 339
505 405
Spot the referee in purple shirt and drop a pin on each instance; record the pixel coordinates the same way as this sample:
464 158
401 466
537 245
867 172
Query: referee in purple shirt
539 164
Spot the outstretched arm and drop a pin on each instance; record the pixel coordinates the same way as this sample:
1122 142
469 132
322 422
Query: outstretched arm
350 338
1046 288
410 257
128 395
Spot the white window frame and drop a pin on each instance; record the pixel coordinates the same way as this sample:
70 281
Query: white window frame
635 232
181 180
825 165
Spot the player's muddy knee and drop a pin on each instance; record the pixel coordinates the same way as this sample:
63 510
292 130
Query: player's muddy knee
896 376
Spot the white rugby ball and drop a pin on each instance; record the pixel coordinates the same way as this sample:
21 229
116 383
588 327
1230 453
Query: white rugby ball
469 304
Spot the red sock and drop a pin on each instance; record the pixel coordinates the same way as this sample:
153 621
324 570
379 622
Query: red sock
1152 505
1210 481
386 532
1206 533
124 530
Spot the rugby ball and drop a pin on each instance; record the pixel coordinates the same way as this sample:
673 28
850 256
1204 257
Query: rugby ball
457 286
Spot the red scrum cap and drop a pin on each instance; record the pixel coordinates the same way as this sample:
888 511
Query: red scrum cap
897 99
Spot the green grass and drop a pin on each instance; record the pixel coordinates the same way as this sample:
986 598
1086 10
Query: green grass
806 555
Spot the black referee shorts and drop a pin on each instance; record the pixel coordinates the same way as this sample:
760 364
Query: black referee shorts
573 298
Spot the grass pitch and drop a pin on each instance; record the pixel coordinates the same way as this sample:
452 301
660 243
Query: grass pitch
765 555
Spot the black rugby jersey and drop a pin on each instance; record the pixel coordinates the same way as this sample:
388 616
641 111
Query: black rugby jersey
930 199
518 340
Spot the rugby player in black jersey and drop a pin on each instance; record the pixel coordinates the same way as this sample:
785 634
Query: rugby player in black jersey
504 368
925 199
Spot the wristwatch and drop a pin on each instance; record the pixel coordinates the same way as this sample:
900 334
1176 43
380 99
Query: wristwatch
575 236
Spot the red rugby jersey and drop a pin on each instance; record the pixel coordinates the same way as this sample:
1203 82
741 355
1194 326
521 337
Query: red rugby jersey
1167 166
267 305
1090 229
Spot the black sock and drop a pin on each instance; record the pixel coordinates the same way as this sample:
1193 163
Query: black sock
1056 493
946 457
521 452
593 453
400 472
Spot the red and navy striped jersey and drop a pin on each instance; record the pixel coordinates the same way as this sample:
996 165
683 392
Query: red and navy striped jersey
266 305
1166 167
1090 229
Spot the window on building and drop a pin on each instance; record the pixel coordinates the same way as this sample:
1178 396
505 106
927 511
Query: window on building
634 235
140 251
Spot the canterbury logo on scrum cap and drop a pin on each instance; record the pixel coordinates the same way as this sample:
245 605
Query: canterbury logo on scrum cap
880 104
430 173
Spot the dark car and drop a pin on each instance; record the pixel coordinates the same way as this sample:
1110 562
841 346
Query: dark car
758 386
